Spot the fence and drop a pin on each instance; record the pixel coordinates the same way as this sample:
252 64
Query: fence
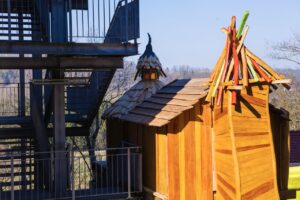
108 174
11 103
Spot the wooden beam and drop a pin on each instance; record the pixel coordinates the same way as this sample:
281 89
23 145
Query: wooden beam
62 63
12 47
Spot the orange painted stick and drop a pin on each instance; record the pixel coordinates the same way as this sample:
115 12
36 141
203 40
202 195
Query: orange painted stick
260 71
228 44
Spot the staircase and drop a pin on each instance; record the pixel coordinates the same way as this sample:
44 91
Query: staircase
21 168
24 21
19 20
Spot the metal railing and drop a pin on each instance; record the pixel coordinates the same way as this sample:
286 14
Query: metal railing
116 174
86 21
10 100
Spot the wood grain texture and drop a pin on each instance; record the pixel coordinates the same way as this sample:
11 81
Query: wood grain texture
173 160
161 161
225 168
244 148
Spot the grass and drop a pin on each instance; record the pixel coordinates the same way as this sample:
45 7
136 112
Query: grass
294 180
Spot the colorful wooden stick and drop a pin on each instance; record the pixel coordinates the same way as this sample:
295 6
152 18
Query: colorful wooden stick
218 82
218 68
260 71
263 64
228 41
241 27
241 43
252 69
236 68
245 67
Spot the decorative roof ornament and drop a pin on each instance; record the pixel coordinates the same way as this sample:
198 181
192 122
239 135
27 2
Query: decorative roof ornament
149 66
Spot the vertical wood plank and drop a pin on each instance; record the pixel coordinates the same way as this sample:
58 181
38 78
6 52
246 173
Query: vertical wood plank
149 158
206 147
198 152
190 154
182 164
173 160
161 162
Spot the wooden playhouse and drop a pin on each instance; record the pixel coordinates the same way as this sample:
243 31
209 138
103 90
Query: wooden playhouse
215 138
173 129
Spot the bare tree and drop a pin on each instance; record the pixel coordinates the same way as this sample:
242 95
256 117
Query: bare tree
288 50
122 81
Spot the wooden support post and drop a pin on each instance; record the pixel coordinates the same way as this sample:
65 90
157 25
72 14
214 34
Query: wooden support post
60 170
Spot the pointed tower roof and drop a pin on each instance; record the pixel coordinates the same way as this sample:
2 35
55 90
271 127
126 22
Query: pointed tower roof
149 62
149 68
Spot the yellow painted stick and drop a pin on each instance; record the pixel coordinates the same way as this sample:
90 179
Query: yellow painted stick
245 67
262 63
218 81
217 72
241 43
252 69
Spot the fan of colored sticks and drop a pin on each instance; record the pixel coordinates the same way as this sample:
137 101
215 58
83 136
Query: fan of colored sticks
237 67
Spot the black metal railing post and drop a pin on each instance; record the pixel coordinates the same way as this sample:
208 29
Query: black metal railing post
72 166
126 21
12 178
129 173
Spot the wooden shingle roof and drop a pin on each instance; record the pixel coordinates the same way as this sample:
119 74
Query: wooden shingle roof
168 103
134 96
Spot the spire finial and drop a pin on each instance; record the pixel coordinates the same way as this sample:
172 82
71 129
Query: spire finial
150 39
149 66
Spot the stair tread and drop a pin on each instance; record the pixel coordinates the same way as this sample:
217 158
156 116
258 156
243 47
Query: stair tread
2 175
16 165
3 184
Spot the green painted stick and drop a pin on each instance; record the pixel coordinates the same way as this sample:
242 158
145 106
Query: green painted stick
252 69
242 25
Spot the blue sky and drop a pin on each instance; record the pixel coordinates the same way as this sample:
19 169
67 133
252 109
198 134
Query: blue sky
187 32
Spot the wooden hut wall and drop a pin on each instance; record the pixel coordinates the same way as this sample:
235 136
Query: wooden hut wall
177 158
280 130
115 133
183 156
226 171
244 149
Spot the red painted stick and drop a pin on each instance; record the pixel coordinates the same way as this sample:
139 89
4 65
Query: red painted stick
235 69
228 45
260 71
